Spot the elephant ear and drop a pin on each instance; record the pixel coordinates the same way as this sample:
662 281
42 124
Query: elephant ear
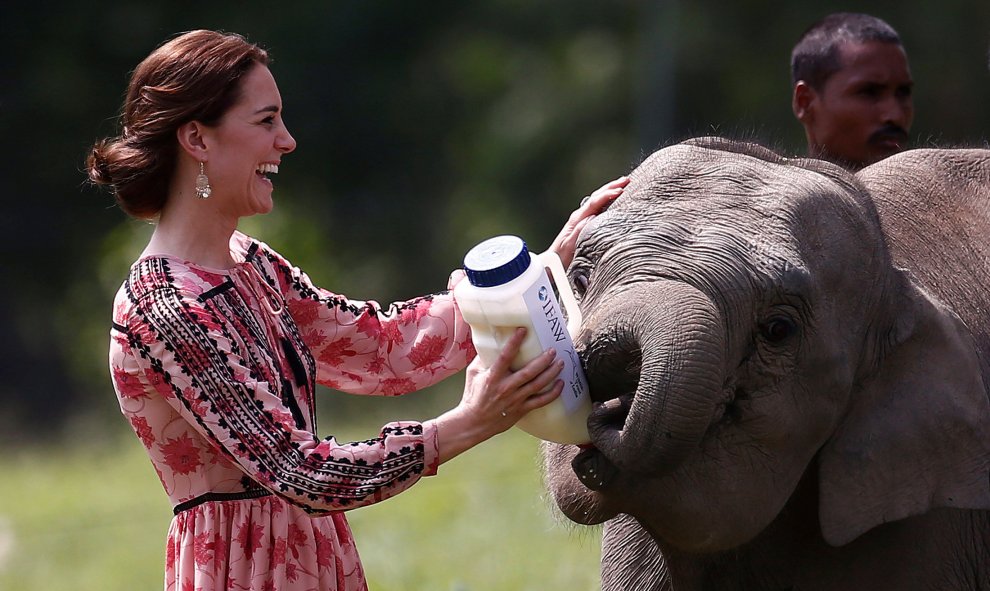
916 435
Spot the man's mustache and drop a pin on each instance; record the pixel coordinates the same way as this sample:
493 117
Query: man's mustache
890 131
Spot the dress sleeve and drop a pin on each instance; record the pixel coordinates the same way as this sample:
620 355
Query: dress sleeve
362 348
191 357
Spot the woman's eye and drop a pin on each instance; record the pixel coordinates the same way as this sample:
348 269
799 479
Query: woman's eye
778 329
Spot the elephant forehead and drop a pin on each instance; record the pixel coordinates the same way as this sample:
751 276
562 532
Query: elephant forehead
726 172
752 217
695 196
721 233
719 260
763 240
762 187
778 253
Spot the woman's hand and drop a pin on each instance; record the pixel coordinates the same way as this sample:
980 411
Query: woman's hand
591 206
496 398
456 276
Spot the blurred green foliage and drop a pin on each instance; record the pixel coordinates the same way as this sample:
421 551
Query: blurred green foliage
422 129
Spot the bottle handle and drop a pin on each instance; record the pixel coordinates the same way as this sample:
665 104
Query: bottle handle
551 261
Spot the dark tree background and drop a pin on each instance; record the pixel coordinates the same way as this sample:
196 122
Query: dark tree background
423 128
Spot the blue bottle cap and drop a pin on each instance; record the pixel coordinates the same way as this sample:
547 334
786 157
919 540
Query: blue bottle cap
496 261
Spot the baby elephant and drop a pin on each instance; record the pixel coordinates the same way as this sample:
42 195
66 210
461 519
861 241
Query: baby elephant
790 367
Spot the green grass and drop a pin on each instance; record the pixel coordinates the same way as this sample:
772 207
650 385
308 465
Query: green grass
94 518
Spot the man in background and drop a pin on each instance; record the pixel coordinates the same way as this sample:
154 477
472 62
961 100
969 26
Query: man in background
852 89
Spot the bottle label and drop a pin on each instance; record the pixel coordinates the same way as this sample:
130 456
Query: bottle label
551 330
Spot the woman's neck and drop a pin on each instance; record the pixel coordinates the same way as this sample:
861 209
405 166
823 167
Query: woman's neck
193 230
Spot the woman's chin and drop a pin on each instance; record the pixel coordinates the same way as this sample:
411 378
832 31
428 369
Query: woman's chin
262 205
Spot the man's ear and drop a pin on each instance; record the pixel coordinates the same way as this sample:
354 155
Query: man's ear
802 103
191 138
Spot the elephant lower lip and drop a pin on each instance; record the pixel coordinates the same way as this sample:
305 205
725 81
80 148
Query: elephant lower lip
572 496
593 469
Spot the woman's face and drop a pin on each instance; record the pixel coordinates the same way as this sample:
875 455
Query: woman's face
247 146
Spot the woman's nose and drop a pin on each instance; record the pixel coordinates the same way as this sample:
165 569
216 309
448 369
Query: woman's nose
285 142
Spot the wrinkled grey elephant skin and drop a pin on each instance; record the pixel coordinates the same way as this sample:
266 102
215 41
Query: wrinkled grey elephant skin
789 364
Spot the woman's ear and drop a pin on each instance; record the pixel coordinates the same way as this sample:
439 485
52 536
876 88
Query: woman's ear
192 139
916 435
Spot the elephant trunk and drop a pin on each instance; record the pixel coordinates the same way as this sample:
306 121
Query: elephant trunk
681 347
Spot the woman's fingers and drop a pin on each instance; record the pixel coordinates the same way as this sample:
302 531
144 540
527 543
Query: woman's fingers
508 352
543 398
602 197
456 276
546 389
495 398
591 206
533 386
544 380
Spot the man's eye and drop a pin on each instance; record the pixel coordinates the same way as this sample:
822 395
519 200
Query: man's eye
870 91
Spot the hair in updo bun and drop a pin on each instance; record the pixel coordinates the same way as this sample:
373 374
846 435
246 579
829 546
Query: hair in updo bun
193 77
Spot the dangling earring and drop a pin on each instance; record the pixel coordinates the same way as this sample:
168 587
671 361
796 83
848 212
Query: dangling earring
203 188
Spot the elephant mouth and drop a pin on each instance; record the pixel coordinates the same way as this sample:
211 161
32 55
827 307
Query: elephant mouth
590 465
613 376
613 364
593 469
651 370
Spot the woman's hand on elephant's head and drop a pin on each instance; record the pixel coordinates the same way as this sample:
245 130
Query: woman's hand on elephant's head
592 205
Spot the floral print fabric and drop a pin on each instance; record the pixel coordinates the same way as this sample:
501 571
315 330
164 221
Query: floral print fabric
215 371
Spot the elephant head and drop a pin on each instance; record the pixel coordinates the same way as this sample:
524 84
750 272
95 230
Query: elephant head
744 326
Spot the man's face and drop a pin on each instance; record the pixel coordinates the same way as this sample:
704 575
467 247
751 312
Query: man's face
864 112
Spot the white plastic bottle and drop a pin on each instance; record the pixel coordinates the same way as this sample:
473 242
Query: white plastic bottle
508 287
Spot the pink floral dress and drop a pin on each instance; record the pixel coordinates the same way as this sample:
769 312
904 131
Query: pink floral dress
215 370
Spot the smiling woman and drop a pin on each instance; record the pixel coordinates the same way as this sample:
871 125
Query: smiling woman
218 342
227 163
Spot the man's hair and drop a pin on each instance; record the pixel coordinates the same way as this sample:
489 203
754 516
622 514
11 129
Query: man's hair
815 57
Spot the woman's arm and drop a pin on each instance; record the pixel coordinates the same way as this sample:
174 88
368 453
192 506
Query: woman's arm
361 347
177 348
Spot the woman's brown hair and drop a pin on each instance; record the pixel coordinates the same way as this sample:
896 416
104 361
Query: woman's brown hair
193 77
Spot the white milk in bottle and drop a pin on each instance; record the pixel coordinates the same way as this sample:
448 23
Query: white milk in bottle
508 287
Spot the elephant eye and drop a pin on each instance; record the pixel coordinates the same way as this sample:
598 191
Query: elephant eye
778 329
580 279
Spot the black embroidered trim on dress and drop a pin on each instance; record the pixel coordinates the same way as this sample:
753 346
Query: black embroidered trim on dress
251 251
214 291
191 333
215 496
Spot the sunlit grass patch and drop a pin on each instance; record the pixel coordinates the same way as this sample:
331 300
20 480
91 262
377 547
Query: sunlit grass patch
94 518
